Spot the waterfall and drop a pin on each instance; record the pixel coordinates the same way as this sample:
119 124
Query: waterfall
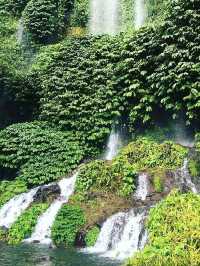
113 145
42 232
20 31
186 178
140 13
120 235
104 17
142 188
15 207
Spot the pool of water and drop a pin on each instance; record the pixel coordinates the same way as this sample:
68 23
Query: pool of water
35 255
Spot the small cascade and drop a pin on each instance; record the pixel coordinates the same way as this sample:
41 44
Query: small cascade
104 17
15 207
186 178
120 235
140 13
42 233
20 31
142 188
113 145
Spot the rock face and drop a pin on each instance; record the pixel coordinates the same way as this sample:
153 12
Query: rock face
45 193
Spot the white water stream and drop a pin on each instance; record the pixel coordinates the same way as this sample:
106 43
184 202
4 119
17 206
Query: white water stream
104 17
120 235
15 207
140 13
186 178
42 232
113 145
20 31
142 188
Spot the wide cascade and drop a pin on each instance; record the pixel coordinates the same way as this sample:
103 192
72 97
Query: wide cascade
42 232
104 17
15 207
140 13
121 235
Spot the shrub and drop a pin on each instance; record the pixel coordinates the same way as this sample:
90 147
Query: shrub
25 224
69 221
80 13
9 189
91 236
173 227
14 7
46 19
42 154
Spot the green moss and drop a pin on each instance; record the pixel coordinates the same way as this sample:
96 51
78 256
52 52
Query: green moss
26 223
173 227
194 168
158 179
41 153
9 189
69 221
91 236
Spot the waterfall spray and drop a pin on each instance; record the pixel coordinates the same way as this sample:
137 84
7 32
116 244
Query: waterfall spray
104 17
142 188
140 13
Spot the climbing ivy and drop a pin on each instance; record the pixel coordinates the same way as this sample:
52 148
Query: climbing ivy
40 153
46 20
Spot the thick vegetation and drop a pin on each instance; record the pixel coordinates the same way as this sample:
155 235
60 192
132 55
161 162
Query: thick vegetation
41 154
173 227
120 175
9 189
46 19
69 221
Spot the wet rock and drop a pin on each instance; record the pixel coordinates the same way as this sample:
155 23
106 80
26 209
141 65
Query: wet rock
4 229
80 240
47 192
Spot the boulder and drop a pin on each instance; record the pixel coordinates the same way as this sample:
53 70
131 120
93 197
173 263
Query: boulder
47 192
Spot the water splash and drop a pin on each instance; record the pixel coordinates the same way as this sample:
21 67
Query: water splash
120 235
15 207
140 13
104 17
42 232
113 145
142 188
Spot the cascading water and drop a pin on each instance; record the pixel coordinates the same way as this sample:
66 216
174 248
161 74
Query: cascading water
186 178
20 32
104 17
142 188
113 145
15 207
140 13
42 232
120 235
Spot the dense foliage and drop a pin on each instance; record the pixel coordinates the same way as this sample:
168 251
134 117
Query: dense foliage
40 153
174 235
91 236
14 7
46 19
69 221
9 189
25 224
120 175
